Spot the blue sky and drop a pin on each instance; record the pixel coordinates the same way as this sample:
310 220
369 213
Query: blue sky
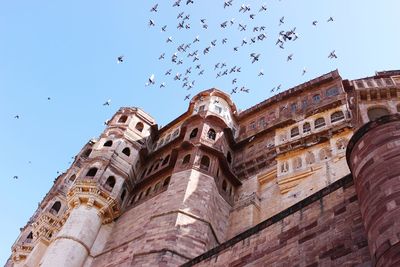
67 50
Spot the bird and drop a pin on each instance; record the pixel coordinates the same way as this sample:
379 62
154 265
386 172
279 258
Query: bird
216 66
15 177
252 16
244 89
227 3
180 25
332 54
198 66
289 57
196 58
223 64
16 117
232 21
168 72
206 50
214 43
177 76
187 97
201 72
263 8
253 40
238 69
154 8
234 81
151 80
255 57
281 21
197 39
120 59
107 103
235 48
224 24
164 28
262 36
177 3
315 22
162 85
188 71
244 8
234 90
180 15
304 71
162 56
233 69
152 23
224 40
48 98
330 19
261 73
189 2
242 27
244 41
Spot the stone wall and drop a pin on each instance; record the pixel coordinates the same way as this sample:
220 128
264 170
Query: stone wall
324 229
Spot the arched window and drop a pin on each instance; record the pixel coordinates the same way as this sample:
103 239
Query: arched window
204 163
310 158
306 127
139 126
341 143
122 119
377 112
55 208
186 159
166 181
72 178
148 191
337 116
126 151
87 152
294 132
29 238
92 172
108 143
123 195
297 163
229 157
320 122
166 160
193 134
110 183
325 153
212 134
224 185
157 186
316 98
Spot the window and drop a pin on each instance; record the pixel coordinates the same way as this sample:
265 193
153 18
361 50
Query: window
55 208
316 99
332 91
310 158
306 127
29 238
122 119
161 142
218 109
175 133
304 104
123 195
166 181
324 153
205 163
212 134
252 125
229 157
72 178
224 185
201 108
337 116
139 126
297 163
110 183
92 172
87 152
293 107
320 122
165 161
377 112
126 151
186 159
167 138
108 143
294 132
193 134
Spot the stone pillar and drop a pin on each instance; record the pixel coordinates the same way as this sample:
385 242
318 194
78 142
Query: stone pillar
37 253
72 244
90 206
373 155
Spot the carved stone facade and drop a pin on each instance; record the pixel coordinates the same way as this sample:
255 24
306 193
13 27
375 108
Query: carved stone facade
268 185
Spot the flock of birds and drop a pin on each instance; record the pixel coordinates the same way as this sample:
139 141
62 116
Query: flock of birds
187 52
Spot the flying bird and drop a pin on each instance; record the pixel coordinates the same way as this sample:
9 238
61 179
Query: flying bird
164 28
304 71
162 85
162 56
281 21
168 72
228 3
189 2
330 19
152 23
107 103
151 80
15 177
16 117
289 57
187 97
252 16
255 57
332 54
154 8
120 59
263 8
169 39
242 27
197 39
177 3
261 73
315 22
